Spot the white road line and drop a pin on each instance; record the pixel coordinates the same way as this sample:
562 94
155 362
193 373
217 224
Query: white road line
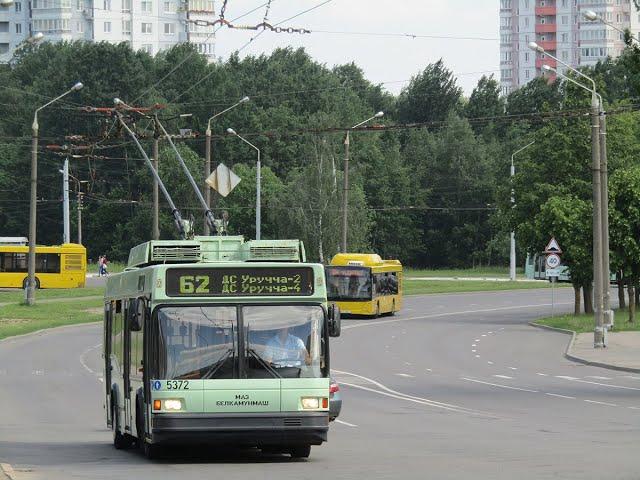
450 314
428 370
406 375
490 363
490 333
634 408
573 379
483 335
499 385
474 345
595 377
602 403
341 422
564 377
633 377
84 364
477 356
542 374
513 368
404 396
477 340
473 351
503 376
559 396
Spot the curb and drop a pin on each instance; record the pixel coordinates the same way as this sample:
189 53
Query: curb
573 358
46 330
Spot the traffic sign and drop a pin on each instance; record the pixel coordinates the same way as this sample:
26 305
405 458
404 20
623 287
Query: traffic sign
553 260
553 246
223 180
552 272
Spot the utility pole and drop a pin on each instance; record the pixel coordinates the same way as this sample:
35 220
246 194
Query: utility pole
156 200
604 199
345 194
512 252
207 172
598 334
66 235
79 215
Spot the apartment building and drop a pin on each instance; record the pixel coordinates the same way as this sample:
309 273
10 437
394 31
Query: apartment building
151 25
560 28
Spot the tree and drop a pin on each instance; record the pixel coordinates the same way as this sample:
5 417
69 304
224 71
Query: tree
430 96
485 100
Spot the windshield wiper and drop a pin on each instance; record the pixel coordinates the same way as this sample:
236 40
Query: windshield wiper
218 365
263 362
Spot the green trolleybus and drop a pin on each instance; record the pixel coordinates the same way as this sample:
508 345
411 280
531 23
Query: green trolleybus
218 340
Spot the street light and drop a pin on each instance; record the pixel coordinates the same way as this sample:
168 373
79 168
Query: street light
31 275
33 39
512 251
6 3
207 161
231 131
593 16
345 187
600 202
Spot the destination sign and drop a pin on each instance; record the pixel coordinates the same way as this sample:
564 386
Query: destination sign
239 282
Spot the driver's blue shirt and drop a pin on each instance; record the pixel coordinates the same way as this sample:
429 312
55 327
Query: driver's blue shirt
291 353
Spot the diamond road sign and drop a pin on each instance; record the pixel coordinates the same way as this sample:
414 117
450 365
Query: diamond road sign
223 180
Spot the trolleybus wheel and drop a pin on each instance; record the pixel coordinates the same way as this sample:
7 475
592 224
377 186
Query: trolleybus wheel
120 441
302 451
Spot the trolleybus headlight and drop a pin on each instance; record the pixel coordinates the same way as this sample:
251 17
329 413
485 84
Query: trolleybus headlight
172 404
310 403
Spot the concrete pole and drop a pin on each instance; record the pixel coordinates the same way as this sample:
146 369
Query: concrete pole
345 194
258 198
512 250
79 215
598 333
604 194
30 294
207 172
156 200
66 235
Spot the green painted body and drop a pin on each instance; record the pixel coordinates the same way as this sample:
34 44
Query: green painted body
146 278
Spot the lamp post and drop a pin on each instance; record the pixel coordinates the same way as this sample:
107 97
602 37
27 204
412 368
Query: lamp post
599 281
512 251
207 155
593 17
33 39
31 269
345 182
258 180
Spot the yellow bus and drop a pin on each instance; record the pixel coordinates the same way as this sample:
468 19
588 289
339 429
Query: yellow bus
58 266
364 284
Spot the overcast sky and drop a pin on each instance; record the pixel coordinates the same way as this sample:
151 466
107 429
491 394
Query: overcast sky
383 58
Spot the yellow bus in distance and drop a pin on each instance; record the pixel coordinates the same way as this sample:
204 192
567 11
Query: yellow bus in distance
364 284
58 266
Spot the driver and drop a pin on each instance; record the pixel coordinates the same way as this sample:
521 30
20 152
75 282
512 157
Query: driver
286 350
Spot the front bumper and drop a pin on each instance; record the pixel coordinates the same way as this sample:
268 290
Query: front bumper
242 429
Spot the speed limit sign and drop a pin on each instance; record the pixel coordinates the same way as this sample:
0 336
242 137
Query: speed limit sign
553 260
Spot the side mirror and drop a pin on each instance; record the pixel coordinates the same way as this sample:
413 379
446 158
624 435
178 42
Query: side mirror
137 313
335 323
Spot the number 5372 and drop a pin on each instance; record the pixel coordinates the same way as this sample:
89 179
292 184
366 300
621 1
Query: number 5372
194 284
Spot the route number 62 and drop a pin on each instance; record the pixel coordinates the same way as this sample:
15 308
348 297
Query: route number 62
194 284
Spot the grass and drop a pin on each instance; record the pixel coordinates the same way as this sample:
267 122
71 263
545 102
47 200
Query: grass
17 319
584 323
112 267
16 295
495 272
420 287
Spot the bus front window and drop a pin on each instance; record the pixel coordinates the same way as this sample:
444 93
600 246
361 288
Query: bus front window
348 283
197 342
284 341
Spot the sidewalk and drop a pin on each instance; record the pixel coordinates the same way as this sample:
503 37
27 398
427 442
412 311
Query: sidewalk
475 279
622 352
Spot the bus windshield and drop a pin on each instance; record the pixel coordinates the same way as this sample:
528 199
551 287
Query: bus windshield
348 283
271 341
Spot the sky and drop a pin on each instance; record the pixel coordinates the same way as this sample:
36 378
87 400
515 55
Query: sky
388 59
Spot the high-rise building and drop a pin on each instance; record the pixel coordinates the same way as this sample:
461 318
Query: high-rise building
560 28
151 25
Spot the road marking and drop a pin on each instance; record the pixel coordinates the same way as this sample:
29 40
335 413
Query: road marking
573 379
499 385
634 408
501 328
503 376
84 364
8 470
564 377
345 423
490 333
428 370
490 363
513 368
450 314
473 351
477 340
595 377
474 345
542 374
477 356
602 403
559 396
483 335
403 396
407 363
631 377
406 375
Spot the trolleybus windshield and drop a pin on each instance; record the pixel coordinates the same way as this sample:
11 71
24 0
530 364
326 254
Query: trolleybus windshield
262 341
348 283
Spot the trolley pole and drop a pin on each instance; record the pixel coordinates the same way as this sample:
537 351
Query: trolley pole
345 194
156 207
207 172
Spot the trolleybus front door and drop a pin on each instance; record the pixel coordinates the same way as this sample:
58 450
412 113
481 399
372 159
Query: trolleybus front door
108 320
127 367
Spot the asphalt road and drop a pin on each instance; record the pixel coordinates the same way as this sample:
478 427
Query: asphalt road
457 386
